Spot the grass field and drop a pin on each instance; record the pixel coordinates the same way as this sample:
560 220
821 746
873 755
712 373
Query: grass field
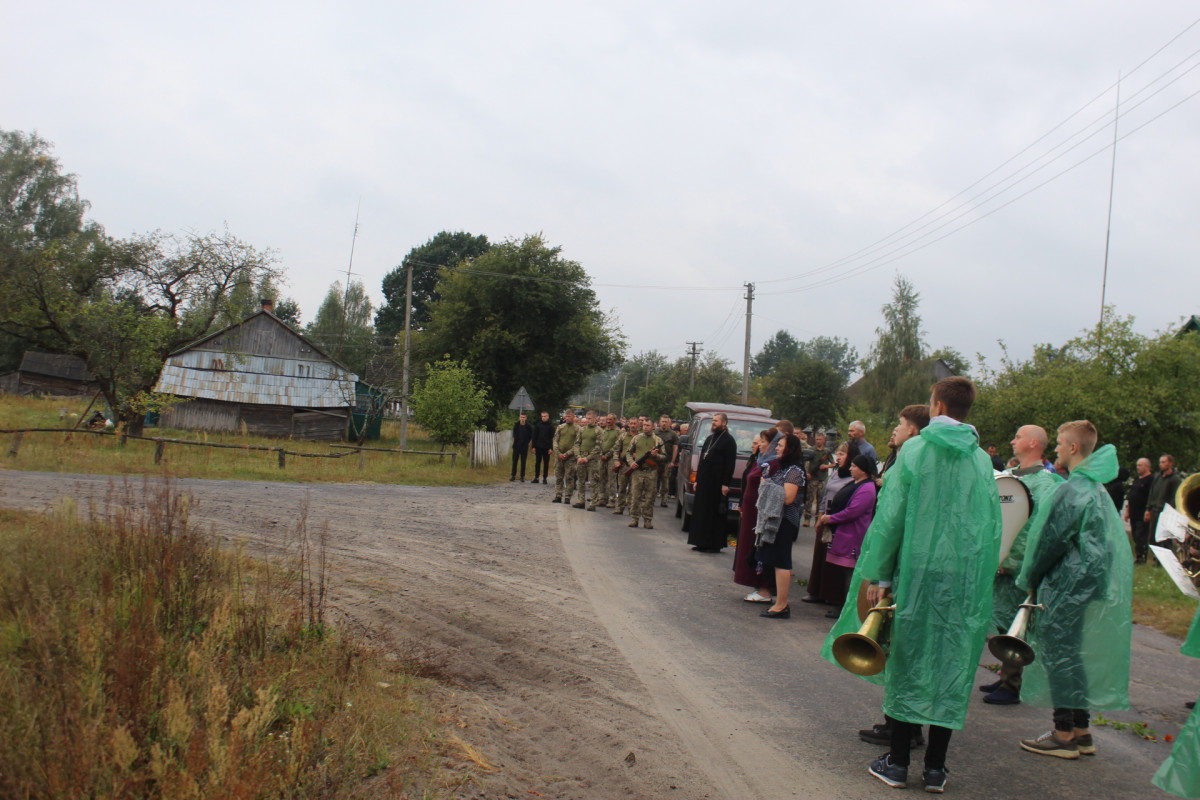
1157 601
90 453
138 660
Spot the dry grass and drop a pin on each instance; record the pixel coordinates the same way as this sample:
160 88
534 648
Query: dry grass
89 453
138 660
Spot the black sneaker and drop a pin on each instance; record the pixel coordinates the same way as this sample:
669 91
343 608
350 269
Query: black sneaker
893 775
935 780
988 688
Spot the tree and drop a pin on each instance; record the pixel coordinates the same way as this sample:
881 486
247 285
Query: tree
834 351
342 326
894 373
246 299
522 316
1139 391
450 402
805 391
777 350
445 249
670 390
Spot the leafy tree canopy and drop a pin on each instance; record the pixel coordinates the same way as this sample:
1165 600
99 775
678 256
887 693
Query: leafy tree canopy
670 390
450 402
522 315
1139 391
805 391
342 327
445 249
780 348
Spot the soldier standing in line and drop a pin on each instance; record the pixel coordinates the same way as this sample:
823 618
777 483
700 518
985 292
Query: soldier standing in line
587 460
618 467
564 464
642 481
818 470
670 440
608 444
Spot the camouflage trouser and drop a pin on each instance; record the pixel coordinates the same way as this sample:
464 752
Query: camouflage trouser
813 498
606 487
564 477
622 489
664 483
641 487
588 475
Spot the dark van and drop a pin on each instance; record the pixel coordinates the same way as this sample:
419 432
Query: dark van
745 422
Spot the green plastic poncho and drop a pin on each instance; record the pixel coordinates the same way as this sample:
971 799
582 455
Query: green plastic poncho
936 537
1180 773
1006 597
1082 569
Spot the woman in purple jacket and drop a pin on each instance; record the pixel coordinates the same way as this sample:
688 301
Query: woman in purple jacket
849 515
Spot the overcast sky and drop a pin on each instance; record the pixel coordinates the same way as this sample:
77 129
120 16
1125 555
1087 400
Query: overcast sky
692 145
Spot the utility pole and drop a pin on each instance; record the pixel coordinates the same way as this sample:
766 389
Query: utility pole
746 356
407 346
624 386
693 352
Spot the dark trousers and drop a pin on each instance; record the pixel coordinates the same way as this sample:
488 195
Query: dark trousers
541 463
1068 719
935 749
1141 534
521 454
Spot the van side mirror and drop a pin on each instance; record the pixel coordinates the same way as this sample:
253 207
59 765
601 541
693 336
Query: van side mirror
683 440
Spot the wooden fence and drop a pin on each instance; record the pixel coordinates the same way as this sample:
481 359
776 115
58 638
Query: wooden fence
489 448
161 443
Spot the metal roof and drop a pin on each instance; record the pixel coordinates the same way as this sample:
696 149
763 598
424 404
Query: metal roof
262 380
56 365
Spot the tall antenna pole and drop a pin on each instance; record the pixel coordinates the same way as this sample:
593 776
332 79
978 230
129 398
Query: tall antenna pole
407 346
746 355
346 293
1111 183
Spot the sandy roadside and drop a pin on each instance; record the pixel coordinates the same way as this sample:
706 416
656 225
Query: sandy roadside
477 580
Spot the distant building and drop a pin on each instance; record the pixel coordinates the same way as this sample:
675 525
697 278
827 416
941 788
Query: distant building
49 374
260 374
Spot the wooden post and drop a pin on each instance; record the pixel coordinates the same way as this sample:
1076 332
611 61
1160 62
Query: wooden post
282 458
452 457
16 444
158 451
360 460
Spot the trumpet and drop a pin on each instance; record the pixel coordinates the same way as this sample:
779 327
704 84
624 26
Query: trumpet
864 653
1011 647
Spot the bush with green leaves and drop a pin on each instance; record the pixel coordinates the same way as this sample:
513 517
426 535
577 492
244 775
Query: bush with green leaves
450 403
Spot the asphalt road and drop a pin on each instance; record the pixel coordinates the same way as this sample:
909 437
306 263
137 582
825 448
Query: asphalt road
754 701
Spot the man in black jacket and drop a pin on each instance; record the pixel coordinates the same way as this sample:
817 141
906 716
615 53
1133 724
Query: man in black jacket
543 440
1162 491
1135 512
522 436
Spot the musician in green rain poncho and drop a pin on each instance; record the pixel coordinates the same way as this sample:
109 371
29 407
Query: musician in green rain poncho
1180 773
1080 566
935 542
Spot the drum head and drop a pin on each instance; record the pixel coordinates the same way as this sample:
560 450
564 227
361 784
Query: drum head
1016 504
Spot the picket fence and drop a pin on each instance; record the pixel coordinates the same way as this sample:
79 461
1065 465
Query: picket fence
489 448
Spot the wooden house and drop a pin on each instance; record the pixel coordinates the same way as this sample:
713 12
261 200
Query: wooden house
261 374
49 374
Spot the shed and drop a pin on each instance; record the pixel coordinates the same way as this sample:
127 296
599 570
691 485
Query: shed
49 373
261 374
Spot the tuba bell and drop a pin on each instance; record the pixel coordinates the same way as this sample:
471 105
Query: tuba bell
1187 500
1011 647
863 653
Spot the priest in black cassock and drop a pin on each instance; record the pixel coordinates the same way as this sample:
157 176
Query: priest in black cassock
717 460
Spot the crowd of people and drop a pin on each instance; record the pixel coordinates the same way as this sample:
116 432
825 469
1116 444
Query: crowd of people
919 535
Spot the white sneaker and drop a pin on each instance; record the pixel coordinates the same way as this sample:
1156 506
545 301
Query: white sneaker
755 597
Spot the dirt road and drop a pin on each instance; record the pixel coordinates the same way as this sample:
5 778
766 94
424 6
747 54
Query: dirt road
596 661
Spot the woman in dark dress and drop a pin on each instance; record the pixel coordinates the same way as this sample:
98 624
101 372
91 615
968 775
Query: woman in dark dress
824 580
788 473
744 561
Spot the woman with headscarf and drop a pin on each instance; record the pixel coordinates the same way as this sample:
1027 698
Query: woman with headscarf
824 579
788 474
849 515
744 561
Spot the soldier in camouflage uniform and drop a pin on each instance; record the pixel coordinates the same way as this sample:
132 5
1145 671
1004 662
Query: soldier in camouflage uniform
818 471
643 481
670 440
608 446
618 467
587 459
564 464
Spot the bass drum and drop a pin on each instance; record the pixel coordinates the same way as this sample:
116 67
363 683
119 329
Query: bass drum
1016 504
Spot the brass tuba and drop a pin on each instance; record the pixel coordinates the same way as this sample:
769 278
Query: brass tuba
863 653
1011 647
